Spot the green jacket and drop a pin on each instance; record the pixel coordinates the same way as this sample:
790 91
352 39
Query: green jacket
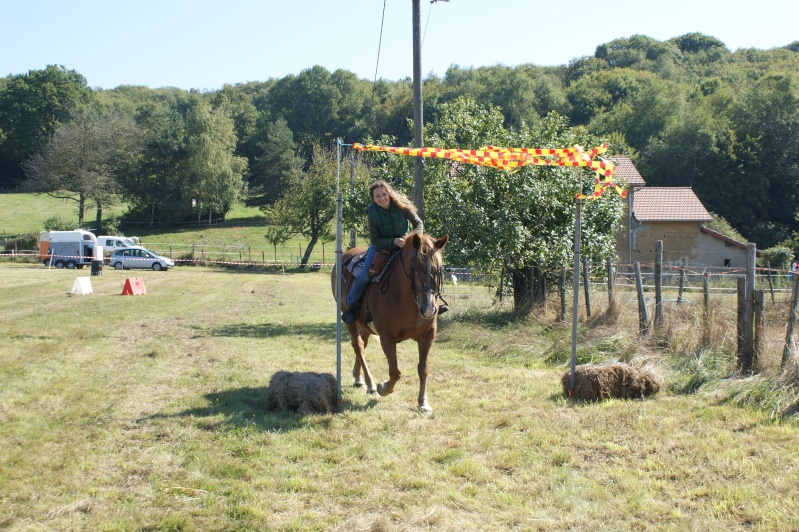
386 225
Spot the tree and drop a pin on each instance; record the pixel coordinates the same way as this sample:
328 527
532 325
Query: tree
215 174
85 159
309 206
32 107
762 192
521 223
275 163
154 192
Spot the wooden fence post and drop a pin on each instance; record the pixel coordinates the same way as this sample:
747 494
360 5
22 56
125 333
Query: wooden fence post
562 290
741 293
643 316
682 284
706 309
658 284
611 285
749 316
789 351
585 285
770 283
745 328
760 327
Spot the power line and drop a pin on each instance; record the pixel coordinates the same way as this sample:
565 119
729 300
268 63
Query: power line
377 63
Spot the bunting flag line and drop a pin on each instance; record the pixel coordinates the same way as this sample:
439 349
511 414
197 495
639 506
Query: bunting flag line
511 159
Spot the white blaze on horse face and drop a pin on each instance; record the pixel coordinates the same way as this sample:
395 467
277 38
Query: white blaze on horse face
380 196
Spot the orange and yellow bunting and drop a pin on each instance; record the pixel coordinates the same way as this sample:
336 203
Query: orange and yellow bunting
511 159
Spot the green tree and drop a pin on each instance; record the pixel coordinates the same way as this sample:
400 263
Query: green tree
215 174
85 159
519 223
275 165
32 106
309 206
320 106
154 192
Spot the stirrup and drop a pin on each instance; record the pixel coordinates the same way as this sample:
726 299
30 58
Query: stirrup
351 314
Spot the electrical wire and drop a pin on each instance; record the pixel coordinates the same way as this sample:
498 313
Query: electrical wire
428 22
377 63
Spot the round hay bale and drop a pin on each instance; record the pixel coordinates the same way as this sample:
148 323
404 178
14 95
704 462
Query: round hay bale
594 382
304 393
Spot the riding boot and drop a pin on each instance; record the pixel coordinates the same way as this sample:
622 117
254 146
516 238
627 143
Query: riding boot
351 314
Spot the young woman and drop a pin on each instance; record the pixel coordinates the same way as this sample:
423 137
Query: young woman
389 215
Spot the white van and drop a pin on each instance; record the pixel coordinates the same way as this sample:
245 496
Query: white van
113 243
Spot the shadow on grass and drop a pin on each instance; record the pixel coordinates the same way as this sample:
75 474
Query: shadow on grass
323 331
247 408
491 318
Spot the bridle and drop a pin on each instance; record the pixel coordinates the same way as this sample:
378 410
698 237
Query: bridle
432 278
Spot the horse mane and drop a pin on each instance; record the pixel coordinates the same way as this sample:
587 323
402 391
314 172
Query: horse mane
428 252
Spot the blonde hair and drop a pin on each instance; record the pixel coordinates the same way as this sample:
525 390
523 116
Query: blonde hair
398 198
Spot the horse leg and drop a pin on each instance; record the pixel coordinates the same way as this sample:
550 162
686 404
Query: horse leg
390 349
425 343
359 339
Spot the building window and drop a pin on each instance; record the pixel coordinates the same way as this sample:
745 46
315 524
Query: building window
726 263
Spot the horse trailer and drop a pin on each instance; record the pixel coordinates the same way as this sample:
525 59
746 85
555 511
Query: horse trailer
66 249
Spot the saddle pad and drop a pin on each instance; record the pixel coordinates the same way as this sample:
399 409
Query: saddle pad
355 264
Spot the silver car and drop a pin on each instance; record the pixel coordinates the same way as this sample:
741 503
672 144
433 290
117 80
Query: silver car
139 257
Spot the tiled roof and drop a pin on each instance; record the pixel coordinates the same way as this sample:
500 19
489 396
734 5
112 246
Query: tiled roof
625 170
668 204
725 239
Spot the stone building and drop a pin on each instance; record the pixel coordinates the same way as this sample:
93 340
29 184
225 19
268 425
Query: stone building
676 216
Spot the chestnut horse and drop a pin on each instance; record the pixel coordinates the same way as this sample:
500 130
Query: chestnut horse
403 305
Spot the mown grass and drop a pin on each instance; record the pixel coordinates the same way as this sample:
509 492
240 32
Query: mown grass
148 413
242 237
25 213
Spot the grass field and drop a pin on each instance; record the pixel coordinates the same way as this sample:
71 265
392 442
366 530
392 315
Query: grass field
148 413
241 238
24 213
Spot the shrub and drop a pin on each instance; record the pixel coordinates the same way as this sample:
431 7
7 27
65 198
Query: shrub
57 223
779 257
25 241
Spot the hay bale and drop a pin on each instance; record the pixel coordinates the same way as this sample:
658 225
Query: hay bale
594 382
304 393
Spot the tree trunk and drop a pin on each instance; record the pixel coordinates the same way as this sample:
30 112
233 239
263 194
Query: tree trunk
81 208
529 289
98 221
307 255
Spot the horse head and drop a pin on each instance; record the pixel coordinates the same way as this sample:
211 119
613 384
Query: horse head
426 272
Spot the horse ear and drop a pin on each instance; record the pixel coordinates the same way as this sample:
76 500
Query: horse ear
416 240
441 242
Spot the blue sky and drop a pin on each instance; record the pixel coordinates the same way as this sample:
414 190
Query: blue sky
203 44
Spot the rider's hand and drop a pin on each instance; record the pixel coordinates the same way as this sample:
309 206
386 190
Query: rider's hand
399 242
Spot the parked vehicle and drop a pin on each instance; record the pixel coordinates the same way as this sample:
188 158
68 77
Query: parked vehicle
70 249
139 257
113 243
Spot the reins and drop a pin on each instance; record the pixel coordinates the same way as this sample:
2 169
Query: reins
425 287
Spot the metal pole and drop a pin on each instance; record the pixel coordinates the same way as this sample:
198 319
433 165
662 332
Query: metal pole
418 113
576 290
338 277
352 191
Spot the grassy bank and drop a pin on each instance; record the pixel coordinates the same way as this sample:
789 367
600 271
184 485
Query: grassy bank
147 413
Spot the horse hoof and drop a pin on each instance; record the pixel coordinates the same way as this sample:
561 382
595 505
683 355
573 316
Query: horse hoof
381 390
425 409
358 384
371 391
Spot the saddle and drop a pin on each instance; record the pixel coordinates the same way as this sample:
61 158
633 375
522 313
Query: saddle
381 264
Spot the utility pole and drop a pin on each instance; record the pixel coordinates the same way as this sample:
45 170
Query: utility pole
418 114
